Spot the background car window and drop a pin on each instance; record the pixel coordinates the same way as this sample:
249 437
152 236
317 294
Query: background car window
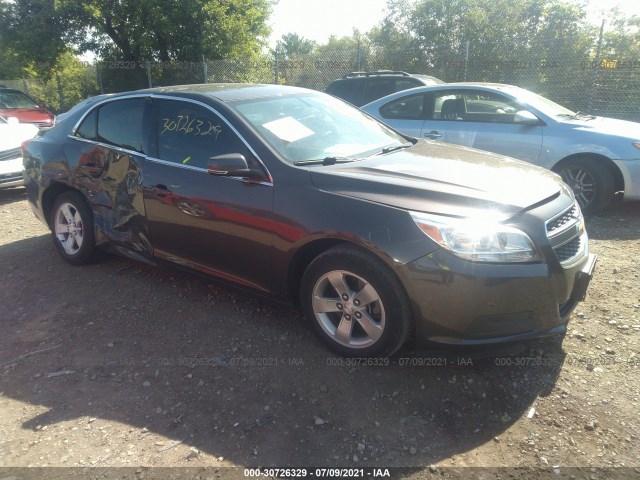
344 89
410 108
405 83
448 106
120 123
190 134
89 127
377 88
475 106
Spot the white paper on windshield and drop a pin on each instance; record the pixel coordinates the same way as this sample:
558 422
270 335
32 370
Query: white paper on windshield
288 129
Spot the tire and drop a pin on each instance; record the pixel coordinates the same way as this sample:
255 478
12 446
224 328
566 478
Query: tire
72 228
376 326
591 181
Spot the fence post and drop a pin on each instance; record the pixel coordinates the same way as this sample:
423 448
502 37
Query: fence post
148 66
99 78
466 61
60 93
277 67
25 85
596 68
205 70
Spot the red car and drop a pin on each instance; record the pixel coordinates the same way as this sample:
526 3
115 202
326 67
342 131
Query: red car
14 103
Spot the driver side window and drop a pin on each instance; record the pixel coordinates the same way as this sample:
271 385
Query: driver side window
190 134
475 106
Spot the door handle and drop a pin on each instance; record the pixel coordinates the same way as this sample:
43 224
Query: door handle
432 134
162 190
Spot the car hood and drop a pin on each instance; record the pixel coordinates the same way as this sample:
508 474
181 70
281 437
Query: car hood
12 135
441 178
607 126
27 115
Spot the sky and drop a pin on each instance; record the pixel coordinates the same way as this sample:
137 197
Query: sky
319 19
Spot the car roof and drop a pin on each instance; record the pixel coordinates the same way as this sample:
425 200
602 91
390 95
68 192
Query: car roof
9 89
225 92
444 87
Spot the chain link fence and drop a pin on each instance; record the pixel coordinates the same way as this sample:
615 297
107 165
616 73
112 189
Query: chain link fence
594 82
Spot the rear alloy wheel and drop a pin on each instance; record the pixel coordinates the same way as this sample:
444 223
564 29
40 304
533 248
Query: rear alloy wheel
592 183
72 228
355 303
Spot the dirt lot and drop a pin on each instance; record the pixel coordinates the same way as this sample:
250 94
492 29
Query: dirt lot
123 365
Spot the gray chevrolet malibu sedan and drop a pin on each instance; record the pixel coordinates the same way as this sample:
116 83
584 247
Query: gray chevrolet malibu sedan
597 157
294 194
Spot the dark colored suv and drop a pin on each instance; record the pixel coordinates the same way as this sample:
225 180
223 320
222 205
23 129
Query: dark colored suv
14 103
360 88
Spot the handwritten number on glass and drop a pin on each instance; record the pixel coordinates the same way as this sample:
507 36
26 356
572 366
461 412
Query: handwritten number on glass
190 126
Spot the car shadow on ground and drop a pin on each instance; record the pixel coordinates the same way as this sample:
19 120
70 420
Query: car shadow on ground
12 195
621 221
173 358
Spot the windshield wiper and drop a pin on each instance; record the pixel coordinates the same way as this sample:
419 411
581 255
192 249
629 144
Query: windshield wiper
393 148
324 161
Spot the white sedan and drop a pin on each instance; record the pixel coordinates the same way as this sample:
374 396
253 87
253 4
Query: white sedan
597 157
12 134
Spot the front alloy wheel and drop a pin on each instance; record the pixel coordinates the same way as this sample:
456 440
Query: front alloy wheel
355 303
348 309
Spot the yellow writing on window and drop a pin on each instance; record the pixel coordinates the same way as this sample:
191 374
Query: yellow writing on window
190 126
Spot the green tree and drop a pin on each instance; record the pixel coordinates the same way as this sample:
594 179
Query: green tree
136 31
292 45
30 35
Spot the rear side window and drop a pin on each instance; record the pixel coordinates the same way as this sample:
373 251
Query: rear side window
377 88
344 89
89 127
120 123
191 134
405 83
409 108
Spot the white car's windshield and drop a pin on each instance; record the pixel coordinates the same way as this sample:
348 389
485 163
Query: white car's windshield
546 106
309 127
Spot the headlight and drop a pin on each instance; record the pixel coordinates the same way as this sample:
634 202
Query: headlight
478 240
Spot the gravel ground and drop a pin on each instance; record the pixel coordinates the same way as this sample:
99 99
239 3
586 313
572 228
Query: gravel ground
119 364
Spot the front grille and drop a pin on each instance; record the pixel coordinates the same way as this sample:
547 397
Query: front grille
10 154
564 232
565 219
10 177
568 250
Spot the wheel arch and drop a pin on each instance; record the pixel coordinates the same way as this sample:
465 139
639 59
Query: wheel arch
610 165
308 252
49 196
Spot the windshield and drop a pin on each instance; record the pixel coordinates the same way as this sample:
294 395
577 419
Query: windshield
315 126
16 100
541 103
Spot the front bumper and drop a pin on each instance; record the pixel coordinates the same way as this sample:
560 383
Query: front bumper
630 170
11 173
462 303
456 301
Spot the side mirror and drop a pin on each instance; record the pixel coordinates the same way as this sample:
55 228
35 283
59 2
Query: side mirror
525 117
230 165
13 120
